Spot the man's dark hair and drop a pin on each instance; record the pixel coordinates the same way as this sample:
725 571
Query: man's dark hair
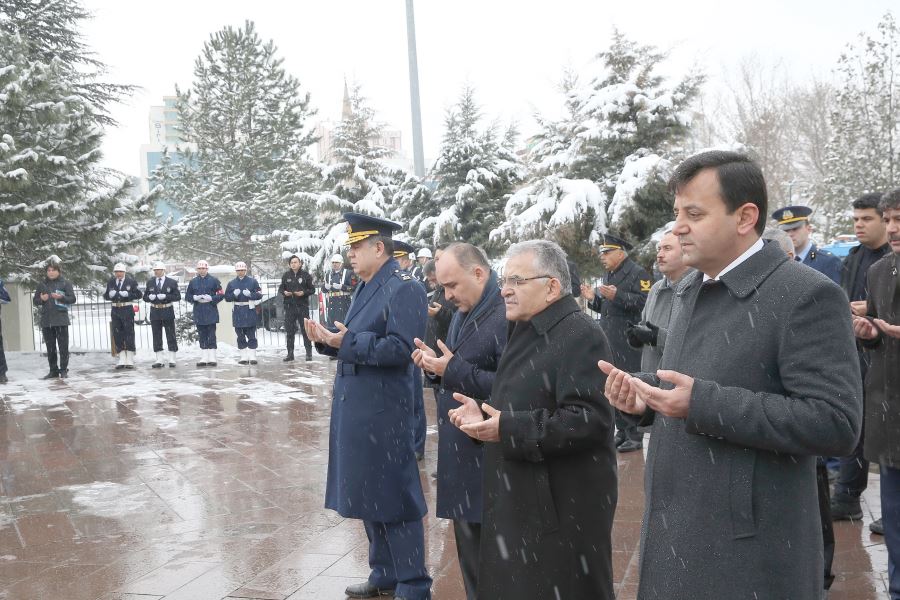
870 200
890 201
55 267
740 180
292 257
429 268
468 256
387 241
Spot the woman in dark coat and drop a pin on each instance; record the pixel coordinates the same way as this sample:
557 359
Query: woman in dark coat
549 468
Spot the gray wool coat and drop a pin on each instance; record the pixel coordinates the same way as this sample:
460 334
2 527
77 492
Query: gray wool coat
731 508
658 311
882 444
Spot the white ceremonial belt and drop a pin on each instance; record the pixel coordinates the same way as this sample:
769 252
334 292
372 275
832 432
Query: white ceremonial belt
242 304
161 305
121 304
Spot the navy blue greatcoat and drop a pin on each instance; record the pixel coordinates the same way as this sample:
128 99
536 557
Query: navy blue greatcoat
243 314
825 263
204 313
372 471
476 354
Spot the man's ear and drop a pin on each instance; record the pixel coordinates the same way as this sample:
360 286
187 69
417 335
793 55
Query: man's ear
748 215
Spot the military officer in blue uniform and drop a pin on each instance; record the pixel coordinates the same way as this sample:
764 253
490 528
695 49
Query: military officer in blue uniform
162 293
372 472
122 290
204 292
245 292
339 285
795 221
405 254
620 301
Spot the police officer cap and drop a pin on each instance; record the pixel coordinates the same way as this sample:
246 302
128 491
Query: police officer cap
119 267
360 227
792 217
240 266
159 265
424 253
337 258
611 242
202 264
403 249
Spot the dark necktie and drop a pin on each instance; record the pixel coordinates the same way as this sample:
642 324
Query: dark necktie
797 258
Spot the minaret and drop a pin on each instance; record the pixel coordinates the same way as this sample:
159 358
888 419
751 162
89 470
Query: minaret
418 153
347 111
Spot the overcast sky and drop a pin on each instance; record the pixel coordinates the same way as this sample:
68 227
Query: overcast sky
511 52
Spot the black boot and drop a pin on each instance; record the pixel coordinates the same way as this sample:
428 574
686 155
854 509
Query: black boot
290 350
308 355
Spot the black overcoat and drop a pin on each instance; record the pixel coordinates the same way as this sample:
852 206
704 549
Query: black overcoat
550 483
882 441
632 283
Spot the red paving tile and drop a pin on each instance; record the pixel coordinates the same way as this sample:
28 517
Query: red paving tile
188 495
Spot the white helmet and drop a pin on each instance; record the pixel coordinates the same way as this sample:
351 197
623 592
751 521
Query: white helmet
202 264
337 258
240 266
159 265
424 253
119 267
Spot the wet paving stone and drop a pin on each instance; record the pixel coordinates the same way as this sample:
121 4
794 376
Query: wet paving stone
209 484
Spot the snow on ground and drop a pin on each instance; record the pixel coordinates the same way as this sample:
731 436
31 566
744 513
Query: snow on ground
92 377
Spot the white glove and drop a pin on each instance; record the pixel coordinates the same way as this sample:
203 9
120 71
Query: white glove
160 297
152 296
247 293
327 285
123 293
111 294
237 293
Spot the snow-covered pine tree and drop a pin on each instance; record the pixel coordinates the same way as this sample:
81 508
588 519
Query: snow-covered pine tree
476 173
864 152
52 29
620 131
244 122
56 203
356 179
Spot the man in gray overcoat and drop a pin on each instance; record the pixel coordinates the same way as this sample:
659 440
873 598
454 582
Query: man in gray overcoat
751 389
651 333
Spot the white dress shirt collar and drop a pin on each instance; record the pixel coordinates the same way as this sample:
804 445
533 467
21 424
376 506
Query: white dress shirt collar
756 247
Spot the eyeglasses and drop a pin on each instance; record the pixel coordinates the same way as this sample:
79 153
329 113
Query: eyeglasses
515 281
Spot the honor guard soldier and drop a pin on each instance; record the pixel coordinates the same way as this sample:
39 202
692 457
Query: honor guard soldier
204 292
795 221
405 253
338 287
620 300
296 287
162 293
372 473
245 292
122 290
418 270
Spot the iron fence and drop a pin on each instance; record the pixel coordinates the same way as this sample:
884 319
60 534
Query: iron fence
90 328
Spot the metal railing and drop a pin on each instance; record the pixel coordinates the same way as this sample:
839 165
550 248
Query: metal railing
90 328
